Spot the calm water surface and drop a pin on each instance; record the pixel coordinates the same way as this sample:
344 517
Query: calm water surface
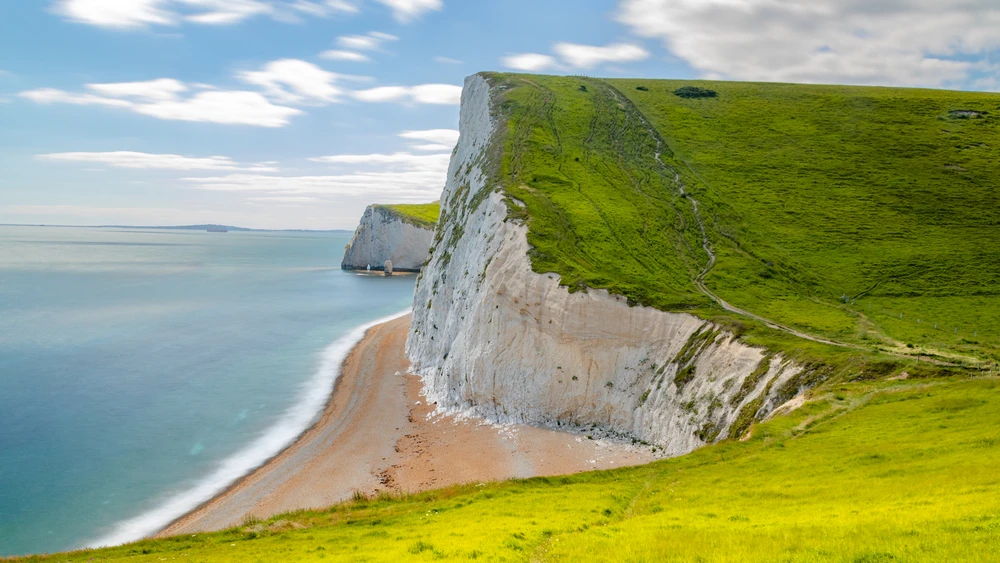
140 368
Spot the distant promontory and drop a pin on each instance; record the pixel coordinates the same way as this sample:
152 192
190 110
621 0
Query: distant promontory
401 233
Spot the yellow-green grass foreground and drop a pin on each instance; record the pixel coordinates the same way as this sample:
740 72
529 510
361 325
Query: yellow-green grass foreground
865 472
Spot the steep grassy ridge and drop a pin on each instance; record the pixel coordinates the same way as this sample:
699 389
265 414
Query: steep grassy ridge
601 211
867 472
420 214
809 195
886 196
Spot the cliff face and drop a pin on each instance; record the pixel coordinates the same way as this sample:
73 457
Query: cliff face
384 235
492 338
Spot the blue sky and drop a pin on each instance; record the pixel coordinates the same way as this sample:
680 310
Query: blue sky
298 113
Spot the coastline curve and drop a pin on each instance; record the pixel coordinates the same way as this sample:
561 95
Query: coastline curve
293 423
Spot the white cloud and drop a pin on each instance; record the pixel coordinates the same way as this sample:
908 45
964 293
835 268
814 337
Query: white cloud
338 55
987 84
356 78
152 90
324 9
161 99
370 41
342 6
115 13
54 96
448 61
575 56
529 62
432 147
134 14
382 94
402 159
309 8
147 161
590 56
224 12
437 94
438 139
405 185
444 94
284 199
286 81
231 108
902 42
406 11
399 176
293 81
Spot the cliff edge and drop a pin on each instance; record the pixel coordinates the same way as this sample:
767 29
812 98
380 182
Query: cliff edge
493 338
400 233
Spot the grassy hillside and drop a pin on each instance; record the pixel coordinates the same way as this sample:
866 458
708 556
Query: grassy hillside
862 215
866 472
420 214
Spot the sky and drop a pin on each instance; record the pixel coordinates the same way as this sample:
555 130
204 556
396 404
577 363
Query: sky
299 113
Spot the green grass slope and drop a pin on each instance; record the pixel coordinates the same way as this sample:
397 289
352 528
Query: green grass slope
866 472
420 214
862 215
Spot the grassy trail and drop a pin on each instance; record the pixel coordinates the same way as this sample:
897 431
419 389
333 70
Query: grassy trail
699 280
852 213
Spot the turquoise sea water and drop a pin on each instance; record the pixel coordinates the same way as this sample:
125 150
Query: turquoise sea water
141 371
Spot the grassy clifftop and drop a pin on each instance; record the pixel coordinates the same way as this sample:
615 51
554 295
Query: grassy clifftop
420 214
868 472
862 215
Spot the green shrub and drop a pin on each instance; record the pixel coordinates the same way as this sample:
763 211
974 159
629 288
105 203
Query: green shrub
695 92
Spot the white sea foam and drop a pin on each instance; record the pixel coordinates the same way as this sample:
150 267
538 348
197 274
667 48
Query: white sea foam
296 420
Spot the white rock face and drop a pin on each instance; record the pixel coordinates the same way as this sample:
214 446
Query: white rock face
382 236
492 338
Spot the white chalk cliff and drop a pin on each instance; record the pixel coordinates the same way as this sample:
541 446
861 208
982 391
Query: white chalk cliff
491 337
385 235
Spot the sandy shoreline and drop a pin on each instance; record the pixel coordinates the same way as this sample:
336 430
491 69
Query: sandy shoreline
375 434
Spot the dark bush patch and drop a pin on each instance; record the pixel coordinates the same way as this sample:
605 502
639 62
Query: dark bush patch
695 92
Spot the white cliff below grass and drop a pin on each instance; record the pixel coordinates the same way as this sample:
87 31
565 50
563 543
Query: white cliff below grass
386 235
492 338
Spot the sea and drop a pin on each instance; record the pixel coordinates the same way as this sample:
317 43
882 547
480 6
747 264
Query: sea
144 370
